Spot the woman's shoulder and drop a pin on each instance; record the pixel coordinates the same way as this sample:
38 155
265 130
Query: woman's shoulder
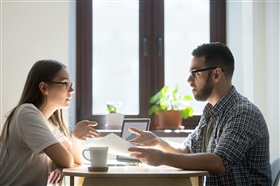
27 108
28 114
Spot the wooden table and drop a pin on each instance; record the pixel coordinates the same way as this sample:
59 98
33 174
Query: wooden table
135 176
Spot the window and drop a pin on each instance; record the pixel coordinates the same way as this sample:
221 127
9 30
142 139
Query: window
115 59
126 51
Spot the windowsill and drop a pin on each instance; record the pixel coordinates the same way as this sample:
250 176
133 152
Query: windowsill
188 126
160 133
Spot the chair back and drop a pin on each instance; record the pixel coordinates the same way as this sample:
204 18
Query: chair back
275 170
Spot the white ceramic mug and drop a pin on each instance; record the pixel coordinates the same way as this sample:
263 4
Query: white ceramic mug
98 156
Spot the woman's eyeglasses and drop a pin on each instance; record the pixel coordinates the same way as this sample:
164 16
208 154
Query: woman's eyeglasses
68 85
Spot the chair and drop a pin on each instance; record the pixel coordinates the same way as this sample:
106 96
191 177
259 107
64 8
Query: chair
275 169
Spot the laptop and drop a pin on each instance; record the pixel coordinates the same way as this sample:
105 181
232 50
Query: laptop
139 123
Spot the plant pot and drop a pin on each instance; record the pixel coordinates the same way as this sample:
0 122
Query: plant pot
114 120
171 119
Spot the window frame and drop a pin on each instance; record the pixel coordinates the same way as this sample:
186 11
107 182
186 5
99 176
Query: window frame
147 70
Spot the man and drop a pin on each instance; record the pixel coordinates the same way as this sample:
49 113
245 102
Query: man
231 140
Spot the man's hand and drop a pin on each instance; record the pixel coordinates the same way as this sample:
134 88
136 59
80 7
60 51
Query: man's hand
152 157
145 138
83 130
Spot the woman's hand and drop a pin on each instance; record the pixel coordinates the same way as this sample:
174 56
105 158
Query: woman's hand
55 176
145 138
83 130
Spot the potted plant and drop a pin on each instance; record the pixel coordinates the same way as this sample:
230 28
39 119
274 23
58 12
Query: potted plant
170 108
114 118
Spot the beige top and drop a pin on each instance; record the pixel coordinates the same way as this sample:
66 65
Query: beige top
23 162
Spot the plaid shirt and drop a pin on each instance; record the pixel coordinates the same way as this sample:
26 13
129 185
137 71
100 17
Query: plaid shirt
240 137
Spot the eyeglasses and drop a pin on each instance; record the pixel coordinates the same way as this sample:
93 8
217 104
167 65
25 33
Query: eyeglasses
194 71
68 85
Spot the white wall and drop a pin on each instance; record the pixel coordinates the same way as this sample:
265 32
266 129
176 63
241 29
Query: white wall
30 31
39 30
253 36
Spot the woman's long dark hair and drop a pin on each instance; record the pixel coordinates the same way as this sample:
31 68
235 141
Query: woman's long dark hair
42 71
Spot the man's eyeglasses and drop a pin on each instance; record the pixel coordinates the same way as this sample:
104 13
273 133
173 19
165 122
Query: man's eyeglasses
68 85
194 71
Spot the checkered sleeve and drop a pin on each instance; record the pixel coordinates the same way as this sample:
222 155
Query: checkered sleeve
243 127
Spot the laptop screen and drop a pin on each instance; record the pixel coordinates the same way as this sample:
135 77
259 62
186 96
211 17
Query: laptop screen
139 123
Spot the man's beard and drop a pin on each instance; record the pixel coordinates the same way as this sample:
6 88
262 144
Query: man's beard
204 93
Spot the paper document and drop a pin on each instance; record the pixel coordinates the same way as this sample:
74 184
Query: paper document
116 144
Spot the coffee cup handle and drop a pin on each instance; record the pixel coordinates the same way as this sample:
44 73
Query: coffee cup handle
85 155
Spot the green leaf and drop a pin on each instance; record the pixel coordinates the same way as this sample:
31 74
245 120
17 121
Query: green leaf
159 95
187 112
163 108
155 98
175 90
163 91
111 108
187 97
153 109
165 100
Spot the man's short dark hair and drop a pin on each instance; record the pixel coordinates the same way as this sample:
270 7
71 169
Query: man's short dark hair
216 55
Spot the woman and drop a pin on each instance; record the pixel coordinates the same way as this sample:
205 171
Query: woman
34 141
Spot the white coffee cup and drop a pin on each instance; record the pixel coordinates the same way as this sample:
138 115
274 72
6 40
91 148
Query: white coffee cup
98 156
